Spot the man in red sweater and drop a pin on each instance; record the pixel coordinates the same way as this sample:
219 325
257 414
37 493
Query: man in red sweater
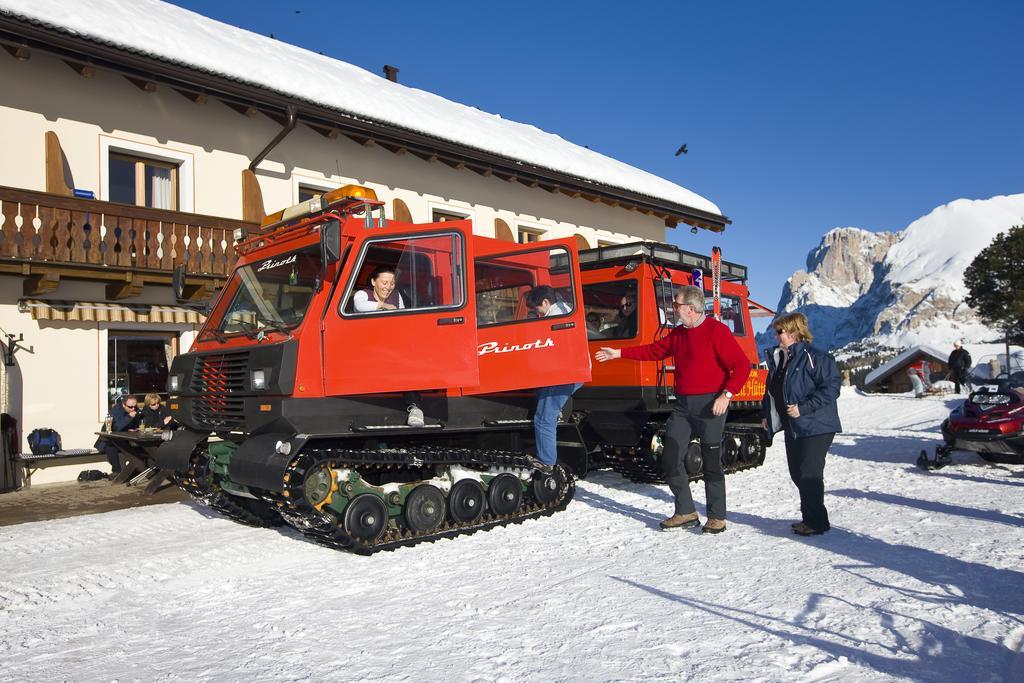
710 368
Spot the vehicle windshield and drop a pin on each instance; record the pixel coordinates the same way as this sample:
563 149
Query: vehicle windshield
271 294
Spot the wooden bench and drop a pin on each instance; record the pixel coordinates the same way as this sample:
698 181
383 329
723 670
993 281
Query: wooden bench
73 456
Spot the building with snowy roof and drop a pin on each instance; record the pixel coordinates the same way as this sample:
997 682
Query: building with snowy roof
138 135
892 377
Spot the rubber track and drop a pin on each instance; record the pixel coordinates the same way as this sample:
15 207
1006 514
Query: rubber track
246 511
637 469
320 527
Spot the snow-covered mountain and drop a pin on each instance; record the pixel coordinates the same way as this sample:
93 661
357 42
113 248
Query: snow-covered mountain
899 288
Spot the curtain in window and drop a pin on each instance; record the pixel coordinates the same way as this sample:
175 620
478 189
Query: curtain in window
160 187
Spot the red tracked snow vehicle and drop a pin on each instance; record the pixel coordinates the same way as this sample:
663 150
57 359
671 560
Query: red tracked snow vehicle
627 293
292 400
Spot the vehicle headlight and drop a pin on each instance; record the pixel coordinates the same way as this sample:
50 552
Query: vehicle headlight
174 383
259 380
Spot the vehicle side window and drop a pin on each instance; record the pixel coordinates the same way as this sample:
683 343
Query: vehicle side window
611 309
427 273
732 313
503 280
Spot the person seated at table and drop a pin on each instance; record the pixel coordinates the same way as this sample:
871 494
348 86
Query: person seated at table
124 416
155 414
381 295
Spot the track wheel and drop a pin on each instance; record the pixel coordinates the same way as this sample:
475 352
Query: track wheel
731 452
424 508
366 517
320 486
466 501
545 486
694 461
504 494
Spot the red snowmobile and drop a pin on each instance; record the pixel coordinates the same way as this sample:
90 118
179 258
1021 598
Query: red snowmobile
990 423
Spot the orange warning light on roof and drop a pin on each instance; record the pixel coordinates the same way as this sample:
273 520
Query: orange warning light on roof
350 192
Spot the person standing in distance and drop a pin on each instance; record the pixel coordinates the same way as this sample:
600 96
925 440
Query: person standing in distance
959 365
710 368
803 386
544 300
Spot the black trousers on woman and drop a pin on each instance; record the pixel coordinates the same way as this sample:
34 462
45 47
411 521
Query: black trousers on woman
806 458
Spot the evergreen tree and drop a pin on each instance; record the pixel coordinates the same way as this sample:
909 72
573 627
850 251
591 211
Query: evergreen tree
995 283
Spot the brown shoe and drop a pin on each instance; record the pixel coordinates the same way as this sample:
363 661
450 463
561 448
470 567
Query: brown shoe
680 522
714 526
795 525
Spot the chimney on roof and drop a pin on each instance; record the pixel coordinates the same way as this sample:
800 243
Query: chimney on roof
391 73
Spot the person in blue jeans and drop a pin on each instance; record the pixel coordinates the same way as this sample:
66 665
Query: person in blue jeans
550 400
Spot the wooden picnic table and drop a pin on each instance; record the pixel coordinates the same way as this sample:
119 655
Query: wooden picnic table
139 462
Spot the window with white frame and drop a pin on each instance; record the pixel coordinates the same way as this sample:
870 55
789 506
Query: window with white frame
143 182
527 235
145 175
441 215
307 188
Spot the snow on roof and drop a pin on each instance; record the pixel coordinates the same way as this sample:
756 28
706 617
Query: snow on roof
183 37
884 370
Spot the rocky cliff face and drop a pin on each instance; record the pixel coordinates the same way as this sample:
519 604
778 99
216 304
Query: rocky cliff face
899 288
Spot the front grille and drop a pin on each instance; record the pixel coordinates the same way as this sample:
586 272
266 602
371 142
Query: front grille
218 381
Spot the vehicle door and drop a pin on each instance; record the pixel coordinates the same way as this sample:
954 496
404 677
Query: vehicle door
517 349
427 343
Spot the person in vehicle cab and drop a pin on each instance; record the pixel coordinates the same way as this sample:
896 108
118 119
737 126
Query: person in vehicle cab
803 387
381 295
625 321
594 323
155 414
544 300
710 368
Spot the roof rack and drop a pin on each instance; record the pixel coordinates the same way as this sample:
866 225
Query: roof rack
660 253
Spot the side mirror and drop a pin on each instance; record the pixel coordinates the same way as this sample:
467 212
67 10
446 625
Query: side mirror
178 283
330 233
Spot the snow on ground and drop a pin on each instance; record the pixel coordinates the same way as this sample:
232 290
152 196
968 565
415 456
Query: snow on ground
919 579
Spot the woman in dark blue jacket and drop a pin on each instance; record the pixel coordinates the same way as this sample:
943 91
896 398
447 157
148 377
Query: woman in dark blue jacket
803 385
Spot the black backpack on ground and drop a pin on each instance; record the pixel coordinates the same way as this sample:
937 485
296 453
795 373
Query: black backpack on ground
44 441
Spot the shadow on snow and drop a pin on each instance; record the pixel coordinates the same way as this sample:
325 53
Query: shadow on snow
943 654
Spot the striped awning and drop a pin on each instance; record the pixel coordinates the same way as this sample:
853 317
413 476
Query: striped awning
88 311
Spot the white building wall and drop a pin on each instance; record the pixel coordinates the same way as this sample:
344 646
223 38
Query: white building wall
60 381
89 114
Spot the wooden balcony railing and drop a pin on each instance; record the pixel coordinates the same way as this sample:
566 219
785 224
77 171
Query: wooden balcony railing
45 228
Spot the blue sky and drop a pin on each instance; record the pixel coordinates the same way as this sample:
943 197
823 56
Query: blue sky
799 116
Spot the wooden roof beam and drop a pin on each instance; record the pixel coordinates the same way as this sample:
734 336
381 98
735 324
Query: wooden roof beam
363 140
393 148
243 109
126 289
19 52
83 69
142 84
40 283
330 133
192 96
